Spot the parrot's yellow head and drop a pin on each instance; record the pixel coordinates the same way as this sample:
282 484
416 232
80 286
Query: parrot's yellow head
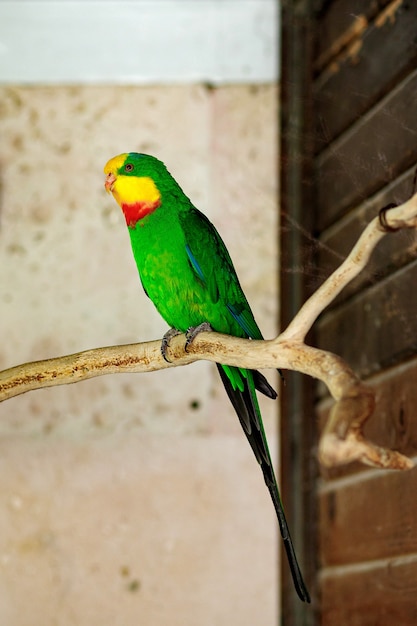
132 179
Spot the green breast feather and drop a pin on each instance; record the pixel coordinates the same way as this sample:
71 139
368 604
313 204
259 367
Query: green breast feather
187 272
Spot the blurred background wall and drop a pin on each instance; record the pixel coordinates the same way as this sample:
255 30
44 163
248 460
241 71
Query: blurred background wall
131 499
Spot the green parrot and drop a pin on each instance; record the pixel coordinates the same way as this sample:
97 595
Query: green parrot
188 274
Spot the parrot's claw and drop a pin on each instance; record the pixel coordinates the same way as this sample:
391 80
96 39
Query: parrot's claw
193 331
172 332
191 334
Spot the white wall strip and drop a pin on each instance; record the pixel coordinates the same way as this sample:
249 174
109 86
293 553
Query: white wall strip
139 41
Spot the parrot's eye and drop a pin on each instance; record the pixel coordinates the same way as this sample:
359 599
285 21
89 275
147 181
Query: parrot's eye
128 167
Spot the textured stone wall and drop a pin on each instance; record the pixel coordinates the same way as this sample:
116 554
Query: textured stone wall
130 499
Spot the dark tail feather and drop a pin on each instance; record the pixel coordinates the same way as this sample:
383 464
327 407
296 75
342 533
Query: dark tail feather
246 407
262 385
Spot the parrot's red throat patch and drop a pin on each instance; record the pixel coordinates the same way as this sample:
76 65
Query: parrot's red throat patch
138 210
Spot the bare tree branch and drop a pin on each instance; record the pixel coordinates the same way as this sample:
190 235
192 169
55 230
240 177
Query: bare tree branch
402 216
342 440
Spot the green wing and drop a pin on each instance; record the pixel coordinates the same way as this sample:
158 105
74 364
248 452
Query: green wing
213 266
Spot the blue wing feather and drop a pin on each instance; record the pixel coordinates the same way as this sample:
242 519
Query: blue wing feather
246 321
194 263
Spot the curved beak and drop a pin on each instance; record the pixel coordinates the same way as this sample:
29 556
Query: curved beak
109 182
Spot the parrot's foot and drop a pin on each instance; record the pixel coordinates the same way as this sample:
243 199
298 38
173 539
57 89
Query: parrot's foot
193 331
172 332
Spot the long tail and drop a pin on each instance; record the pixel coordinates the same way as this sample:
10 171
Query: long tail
242 395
